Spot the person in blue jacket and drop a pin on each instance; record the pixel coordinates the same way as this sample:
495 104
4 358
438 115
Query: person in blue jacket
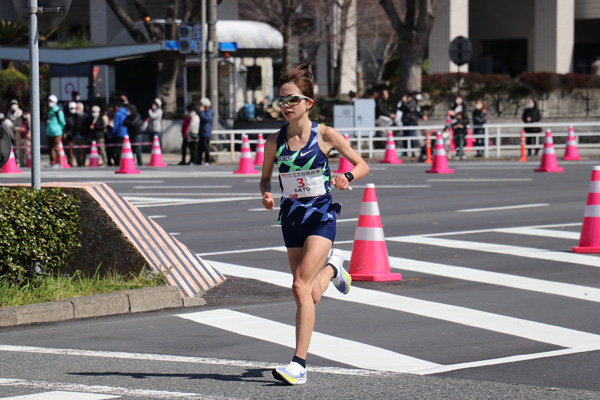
119 131
207 115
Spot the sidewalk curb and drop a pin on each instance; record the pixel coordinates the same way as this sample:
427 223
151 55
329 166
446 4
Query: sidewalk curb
99 305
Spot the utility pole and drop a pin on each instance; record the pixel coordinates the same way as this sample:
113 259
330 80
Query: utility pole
213 52
203 52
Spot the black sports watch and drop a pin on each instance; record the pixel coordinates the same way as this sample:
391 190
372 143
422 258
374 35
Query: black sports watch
349 176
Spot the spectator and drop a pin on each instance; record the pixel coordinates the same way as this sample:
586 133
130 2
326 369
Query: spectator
207 115
12 122
110 150
185 127
382 116
97 123
75 96
531 115
119 131
351 96
134 123
458 106
69 131
398 115
480 117
155 114
54 130
25 135
459 125
81 134
411 112
193 135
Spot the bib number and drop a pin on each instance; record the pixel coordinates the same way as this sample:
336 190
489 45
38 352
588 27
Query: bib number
298 184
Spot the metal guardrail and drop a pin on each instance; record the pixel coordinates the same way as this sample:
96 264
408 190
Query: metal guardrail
497 138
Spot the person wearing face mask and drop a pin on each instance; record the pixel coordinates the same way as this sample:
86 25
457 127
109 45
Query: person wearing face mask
81 134
72 121
479 118
12 122
134 123
411 112
97 123
459 106
185 127
155 114
531 115
54 130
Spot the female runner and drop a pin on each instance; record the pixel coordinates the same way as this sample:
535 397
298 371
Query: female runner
307 214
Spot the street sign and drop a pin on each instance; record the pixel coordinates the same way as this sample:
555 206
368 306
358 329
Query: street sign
50 14
197 38
460 50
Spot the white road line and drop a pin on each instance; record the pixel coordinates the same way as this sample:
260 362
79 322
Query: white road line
492 230
280 248
507 360
393 186
480 180
516 251
333 348
60 395
157 216
504 207
176 359
174 233
256 195
142 202
263 209
531 330
185 187
541 232
115 392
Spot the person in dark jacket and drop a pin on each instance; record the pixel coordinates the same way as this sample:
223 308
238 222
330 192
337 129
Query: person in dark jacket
411 112
71 120
97 123
207 115
531 115
459 126
81 135
480 117
134 123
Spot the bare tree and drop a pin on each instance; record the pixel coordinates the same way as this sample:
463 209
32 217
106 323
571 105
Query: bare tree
168 69
280 14
412 21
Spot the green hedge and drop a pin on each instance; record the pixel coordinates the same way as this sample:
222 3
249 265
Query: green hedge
37 228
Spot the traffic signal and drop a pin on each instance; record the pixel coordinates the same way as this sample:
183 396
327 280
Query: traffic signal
185 39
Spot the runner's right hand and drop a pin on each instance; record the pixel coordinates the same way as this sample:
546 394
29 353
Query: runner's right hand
268 201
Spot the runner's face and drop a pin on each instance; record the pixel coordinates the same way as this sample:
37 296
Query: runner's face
296 112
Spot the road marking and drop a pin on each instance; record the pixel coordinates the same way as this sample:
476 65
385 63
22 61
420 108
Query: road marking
507 360
60 395
394 186
142 202
185 187
504 208
157 216
333 348
174 233
531 330
114 392
516 251
176 359
492 230
541 232
263 209
256 195
480 180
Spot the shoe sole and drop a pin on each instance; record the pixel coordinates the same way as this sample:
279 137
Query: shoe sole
281 378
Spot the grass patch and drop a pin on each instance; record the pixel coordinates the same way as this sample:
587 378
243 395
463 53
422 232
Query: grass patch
61 286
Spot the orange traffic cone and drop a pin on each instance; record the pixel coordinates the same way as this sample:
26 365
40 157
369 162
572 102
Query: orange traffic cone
94 163
11 165
523 142
369 261
571 152
259 158
344 165
440 161
549 163
127 165
390 156
63 157
589 240
156 158
428 160
245 166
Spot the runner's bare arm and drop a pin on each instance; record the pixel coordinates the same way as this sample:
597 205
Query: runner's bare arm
334 139
267 172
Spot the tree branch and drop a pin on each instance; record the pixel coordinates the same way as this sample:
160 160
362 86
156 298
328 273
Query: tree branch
397 24
127 22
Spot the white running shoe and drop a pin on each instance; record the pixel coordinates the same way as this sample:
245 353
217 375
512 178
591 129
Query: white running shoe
293 373
342 280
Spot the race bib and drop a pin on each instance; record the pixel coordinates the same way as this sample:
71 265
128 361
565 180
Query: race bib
306 183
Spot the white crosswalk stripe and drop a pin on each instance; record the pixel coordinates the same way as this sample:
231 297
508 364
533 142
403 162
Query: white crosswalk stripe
60 395
571 341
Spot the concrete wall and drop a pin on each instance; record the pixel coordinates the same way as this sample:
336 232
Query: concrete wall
451 20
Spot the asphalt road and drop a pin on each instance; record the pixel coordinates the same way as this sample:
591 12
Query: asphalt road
492 305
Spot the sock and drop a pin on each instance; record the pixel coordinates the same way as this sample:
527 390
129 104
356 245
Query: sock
300 361
335 271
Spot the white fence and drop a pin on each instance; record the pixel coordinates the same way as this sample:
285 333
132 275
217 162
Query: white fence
498 138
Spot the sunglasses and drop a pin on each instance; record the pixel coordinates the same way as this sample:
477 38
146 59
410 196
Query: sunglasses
292 100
